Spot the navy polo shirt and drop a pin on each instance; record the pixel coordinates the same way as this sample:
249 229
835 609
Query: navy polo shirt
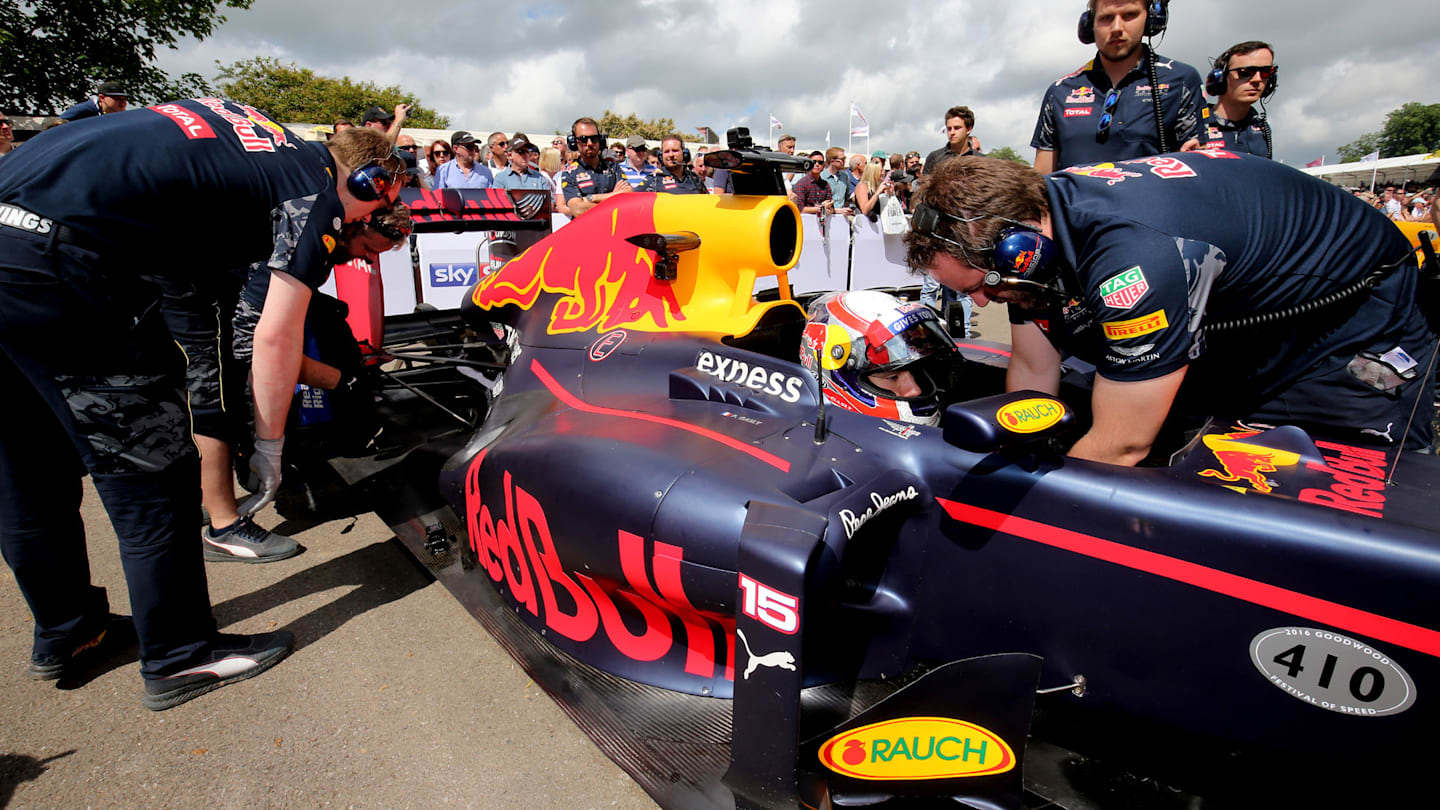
1070 113
583 180
934 159
664 181
1246 135
183 183
1160 246
89 108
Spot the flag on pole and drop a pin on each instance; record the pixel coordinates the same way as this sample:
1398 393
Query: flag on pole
1372 156
827 139
1314 163
861 131
775 123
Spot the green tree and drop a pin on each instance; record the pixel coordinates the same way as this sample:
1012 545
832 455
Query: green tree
1006 153
54 52
1411 129
1358 148
295 94
616 127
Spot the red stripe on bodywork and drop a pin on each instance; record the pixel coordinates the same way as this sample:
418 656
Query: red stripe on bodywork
989 349
580 405
1373 625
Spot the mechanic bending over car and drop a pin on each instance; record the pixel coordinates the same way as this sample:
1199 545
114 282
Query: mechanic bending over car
92 377
199 315
878 355
1198 284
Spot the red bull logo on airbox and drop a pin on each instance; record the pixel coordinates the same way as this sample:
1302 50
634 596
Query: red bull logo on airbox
604 282
1242 462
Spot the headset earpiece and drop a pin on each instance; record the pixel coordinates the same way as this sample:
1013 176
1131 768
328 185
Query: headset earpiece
370 182
685 153
1215 83
1157 16
1022 253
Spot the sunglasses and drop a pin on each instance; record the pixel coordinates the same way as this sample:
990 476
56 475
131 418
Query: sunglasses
499 143
1107 115
410 148
1249 72
587 138
4 122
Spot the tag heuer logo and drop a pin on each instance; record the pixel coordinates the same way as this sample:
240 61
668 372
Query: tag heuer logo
1123 290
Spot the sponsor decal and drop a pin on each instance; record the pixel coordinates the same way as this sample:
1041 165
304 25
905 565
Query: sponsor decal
245 128
1213 133
1081 95
740 417
336 223
1104 171
914 314
830 341
514 546
1030 415
780 659
1132 360
1132 351
1073 112
1245 463
1166 168
773 608
17 217
607 343
602 282
1333 672
756 378
899 430
191 124
878 503
447 274
916 748
1124 290
1144 89
329 242
1359 474
1135 327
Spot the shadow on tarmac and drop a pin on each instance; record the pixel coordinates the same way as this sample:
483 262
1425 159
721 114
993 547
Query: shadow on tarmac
383 572
18 768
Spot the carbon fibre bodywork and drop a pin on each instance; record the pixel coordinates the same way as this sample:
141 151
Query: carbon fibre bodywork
736 596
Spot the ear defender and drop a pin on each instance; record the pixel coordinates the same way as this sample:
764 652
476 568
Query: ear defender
1157 15
1024 254
1215 83
370 182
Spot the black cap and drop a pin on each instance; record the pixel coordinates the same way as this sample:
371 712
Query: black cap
462 138
520 143
377 113
112 89
408 158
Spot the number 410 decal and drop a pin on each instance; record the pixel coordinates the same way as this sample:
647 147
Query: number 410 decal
774 609
1332 671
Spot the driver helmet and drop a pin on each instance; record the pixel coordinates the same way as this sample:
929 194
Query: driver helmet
856 341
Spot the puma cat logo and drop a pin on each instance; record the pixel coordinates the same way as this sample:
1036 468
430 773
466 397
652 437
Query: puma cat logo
779 658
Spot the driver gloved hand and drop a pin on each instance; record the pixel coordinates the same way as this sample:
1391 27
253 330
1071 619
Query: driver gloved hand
265 464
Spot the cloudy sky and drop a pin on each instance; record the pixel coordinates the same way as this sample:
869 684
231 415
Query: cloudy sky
536 66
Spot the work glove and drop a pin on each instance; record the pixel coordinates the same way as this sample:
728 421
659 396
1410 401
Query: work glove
265 464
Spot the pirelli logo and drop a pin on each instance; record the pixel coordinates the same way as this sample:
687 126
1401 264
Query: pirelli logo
1135 327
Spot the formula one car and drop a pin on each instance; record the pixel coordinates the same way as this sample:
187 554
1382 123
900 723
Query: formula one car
612 457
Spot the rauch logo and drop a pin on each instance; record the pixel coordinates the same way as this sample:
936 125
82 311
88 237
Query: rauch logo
916 748
1030 415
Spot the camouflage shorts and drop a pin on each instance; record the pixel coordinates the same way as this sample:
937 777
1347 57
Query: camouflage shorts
134 423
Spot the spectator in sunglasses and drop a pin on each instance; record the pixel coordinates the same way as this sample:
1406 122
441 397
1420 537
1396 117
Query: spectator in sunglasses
410 153
1246 75
437 153
594 178
498 159
7 136
466 170
1105 110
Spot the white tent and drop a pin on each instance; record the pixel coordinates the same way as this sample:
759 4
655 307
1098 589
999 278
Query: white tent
1387 170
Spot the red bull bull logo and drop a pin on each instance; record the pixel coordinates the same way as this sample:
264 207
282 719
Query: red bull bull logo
1104 171
1245 463
603 281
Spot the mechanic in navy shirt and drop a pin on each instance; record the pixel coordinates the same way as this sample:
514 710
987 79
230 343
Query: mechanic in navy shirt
92 376
593 179
1104 110
110 97
1148 252
675 175
1243 75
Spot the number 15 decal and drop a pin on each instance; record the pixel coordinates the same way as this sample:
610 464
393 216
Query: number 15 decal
774 609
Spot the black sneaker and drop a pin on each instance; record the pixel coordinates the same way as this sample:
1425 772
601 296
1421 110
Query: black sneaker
247 541
232 658
116 633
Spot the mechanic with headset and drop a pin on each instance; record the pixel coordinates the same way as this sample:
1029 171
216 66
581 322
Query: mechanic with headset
675 175
1243 75
92 377
1271 296
877 355
1108 109
594 177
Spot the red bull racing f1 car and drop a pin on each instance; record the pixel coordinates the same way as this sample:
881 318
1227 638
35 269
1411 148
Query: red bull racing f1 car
612 456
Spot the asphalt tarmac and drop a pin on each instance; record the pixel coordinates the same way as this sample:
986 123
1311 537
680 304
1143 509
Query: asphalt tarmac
395 697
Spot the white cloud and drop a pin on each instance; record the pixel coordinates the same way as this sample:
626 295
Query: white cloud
491 65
